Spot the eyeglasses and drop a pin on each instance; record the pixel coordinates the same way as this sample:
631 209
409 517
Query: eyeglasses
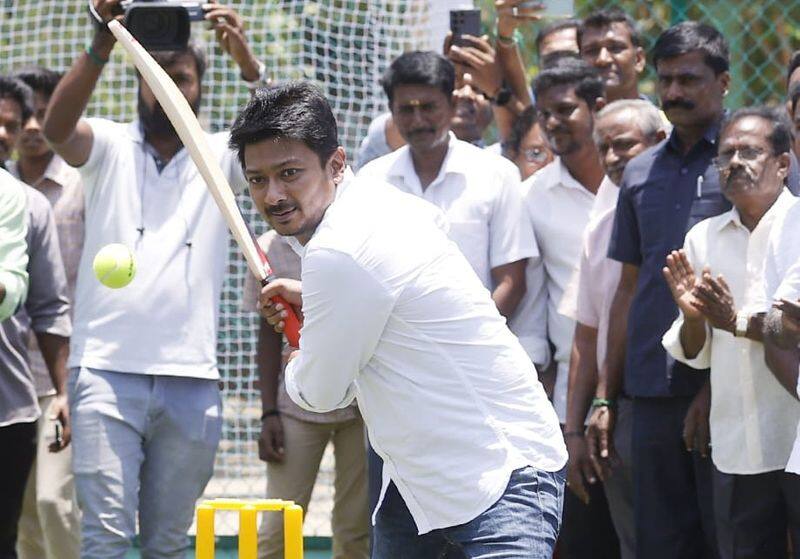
535 155
724 159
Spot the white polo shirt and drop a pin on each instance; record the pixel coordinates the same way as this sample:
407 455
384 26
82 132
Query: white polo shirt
450 398
479 193
753 418
165 321
560 208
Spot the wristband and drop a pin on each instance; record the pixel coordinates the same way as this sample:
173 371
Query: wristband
602 403
269 413
507 41
94 57
568 434
261 80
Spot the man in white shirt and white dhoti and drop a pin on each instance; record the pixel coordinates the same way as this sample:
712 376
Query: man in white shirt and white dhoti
715 279
472 449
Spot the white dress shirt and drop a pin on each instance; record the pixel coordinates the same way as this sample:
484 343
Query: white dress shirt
171 307
598 275
479 193
560 208
451 400
753 418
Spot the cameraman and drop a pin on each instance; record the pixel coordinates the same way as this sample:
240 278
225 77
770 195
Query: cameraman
143 383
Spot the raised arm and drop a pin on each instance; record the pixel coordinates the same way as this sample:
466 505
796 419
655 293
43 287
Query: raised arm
69 135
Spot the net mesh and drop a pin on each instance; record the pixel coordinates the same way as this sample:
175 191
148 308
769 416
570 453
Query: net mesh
344 46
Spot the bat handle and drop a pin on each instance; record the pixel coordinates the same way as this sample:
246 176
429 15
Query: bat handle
291 324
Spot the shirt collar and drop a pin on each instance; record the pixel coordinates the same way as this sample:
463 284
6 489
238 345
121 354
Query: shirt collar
560 175
711 135
732 217
455 161
57 171
296 245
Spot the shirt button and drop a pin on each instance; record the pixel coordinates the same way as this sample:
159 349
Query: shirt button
684 170
677 206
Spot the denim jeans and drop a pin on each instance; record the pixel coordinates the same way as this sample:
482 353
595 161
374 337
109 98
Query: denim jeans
522 524
146 443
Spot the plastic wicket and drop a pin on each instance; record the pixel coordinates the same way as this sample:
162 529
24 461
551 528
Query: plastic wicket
248 510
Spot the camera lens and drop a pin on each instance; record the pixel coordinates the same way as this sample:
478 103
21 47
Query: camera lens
159 27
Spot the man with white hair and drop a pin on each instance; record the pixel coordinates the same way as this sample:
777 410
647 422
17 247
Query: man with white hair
623 129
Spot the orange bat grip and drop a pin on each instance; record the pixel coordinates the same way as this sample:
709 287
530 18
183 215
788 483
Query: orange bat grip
291 324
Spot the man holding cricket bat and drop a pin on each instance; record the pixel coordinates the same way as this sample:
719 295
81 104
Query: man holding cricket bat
143 382
472 450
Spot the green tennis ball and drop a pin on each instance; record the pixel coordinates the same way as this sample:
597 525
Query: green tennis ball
114 265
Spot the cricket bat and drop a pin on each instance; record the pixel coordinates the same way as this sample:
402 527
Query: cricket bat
193 137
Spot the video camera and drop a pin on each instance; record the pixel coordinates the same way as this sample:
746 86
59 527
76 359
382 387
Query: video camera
160 24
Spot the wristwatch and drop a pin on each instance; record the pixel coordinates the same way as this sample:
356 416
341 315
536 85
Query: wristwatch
261 80
742 322
503 96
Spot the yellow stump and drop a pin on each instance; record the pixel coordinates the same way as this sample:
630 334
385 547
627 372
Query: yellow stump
293 532
205 532
248 537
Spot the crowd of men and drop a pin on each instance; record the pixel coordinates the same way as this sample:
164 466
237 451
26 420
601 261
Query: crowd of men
643 252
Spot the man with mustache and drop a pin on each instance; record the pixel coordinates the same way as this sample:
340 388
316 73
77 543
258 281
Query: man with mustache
478 191
714 280
559 199
396 317
665 191
143 384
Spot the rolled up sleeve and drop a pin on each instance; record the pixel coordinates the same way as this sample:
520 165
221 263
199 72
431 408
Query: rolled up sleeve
672 343
13 247
345 311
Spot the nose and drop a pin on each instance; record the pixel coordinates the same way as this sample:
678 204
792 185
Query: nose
274 193
604 57
33 124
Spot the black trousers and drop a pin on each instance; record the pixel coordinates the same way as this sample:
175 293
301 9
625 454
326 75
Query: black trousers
587 531
672 488
18 442
754 513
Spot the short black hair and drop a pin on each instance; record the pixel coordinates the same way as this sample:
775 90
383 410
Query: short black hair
557 25
780 138
17 90
522 125
420 68
794 95
40 80
296 110
794 64
605 17
570 71
198 53
690 36
551 59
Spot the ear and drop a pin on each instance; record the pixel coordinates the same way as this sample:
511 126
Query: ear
725 81
641 60
337 163
599 103
784 161
660 135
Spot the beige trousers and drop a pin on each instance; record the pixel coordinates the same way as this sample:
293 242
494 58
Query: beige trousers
294 478
49 527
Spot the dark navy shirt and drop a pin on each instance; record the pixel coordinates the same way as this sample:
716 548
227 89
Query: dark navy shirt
663 194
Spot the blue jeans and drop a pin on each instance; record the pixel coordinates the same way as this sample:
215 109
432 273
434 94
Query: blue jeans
522 524
146 443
